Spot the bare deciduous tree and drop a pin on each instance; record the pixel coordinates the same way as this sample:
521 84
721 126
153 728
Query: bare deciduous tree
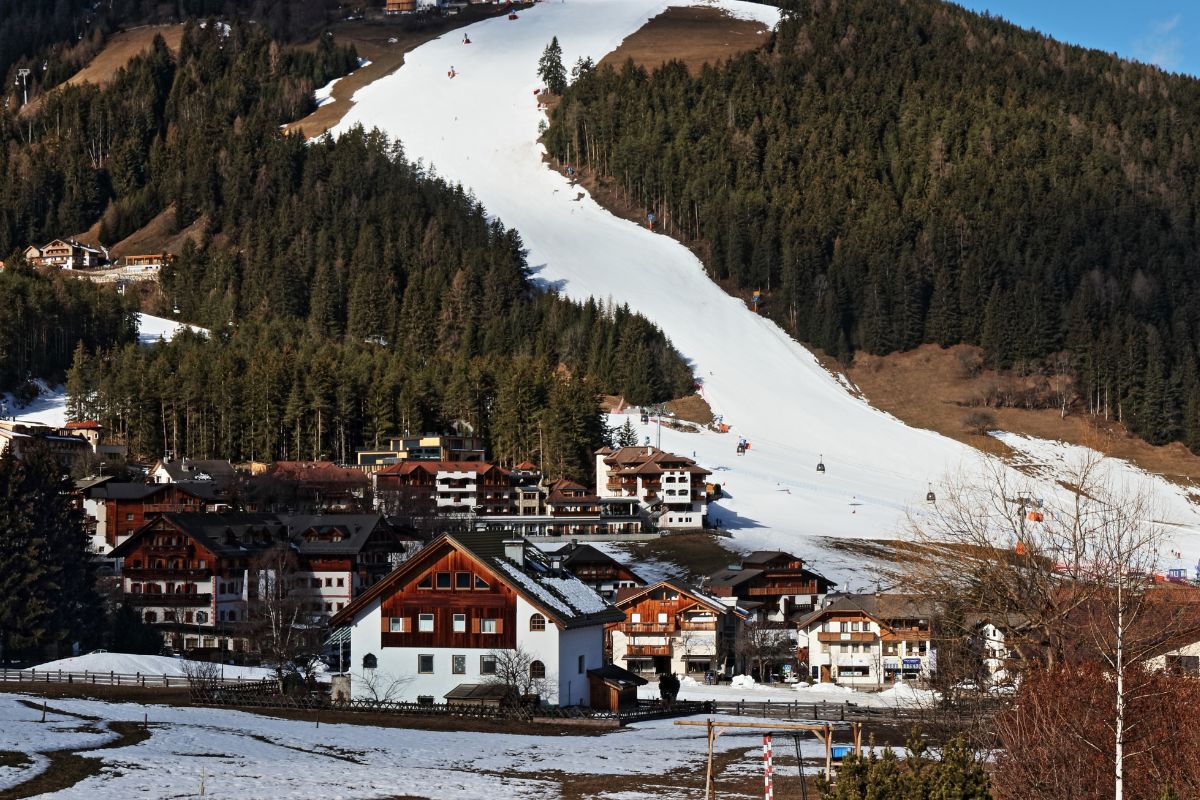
380 687
280 620
1074 570
518 670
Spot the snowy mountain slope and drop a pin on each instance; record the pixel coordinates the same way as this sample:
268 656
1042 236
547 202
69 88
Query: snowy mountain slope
480 128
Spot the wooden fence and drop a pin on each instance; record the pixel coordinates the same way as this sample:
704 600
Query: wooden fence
108 678
851 712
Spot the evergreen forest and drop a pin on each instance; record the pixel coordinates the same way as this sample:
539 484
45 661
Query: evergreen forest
891 174
349 293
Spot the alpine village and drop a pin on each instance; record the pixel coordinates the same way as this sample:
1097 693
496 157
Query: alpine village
599 399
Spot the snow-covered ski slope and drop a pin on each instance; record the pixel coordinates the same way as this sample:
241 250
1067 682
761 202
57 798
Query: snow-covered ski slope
480 128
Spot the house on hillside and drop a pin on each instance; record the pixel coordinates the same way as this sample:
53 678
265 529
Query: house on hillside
66 254
669 487
19 437
867 640
670 627
427 447
447 620
150 262
119 509
320 485
188 470
775 586
194 576
600 571
422 490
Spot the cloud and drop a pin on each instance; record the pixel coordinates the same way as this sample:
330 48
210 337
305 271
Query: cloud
1161 44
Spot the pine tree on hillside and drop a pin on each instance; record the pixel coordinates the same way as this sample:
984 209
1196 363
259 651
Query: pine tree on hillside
551 69
627 435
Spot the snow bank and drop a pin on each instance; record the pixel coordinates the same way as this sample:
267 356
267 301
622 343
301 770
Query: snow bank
152 329
743 681
48 408
904 694
129 664
824 688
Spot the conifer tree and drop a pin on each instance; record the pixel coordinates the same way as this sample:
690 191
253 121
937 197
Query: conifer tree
551 69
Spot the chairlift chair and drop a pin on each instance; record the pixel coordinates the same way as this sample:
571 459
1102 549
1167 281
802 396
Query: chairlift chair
821 463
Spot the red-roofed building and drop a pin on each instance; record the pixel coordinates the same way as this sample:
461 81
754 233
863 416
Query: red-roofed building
322 484
416 490
669 487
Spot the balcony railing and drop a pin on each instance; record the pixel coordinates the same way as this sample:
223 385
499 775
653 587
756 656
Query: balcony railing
786 588
647 627
636 650
172 600
166 573
711 625
833 637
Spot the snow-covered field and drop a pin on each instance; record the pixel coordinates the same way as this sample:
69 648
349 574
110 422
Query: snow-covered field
50 406
745 689
241 755
127 664
480 129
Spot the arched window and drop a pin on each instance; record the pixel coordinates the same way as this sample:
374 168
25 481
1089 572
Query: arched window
370 661
537 670
537 623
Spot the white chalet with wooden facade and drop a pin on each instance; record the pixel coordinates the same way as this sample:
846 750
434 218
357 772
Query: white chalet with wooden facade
432 630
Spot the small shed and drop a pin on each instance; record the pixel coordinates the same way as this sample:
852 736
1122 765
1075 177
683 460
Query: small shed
613 688
493 695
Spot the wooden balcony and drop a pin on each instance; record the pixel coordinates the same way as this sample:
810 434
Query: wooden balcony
167 574
172 600
698 626
834 637
643 650
647 627
785 588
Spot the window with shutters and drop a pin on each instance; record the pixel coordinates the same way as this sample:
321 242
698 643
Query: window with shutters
489 626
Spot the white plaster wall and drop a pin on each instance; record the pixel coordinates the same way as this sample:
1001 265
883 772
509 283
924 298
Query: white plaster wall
573 683
541 645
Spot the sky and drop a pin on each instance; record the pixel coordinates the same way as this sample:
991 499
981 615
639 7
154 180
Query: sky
1161 32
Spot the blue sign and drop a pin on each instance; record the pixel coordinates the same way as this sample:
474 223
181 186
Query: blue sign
912 663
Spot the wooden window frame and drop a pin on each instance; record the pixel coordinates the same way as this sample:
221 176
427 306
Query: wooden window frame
481 585
421 623
437 581
420 660
454 623
468 582
425 579
537 622
497 626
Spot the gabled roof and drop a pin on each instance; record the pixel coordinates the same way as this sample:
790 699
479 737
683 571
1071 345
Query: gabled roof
434 467
141 491
880 607
187 469
83 425
646 460
556 593
714 604
617 677
234 534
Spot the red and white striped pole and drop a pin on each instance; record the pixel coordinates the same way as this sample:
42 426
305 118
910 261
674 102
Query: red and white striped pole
768 769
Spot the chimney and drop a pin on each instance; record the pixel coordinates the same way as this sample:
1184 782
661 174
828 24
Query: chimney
514 550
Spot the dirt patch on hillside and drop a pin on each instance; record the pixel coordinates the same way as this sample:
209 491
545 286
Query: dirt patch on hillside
692 408
927 388
122 48
693 35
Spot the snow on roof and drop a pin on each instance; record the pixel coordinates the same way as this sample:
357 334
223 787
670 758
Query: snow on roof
581 596
533 587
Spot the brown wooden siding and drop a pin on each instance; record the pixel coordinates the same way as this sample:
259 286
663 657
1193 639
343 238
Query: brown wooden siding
408 602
